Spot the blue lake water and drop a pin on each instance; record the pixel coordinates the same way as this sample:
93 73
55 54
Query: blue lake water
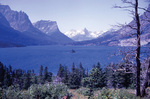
32 57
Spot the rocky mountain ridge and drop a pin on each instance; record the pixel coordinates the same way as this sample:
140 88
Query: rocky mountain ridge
51 29
20 21
10 37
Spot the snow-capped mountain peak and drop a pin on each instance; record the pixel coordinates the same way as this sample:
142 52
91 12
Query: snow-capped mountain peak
82 35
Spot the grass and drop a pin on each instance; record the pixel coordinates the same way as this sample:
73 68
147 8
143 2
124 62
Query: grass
105 94
77 95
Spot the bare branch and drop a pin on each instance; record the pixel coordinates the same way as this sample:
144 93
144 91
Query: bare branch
134 28
122 7
144 9
128 2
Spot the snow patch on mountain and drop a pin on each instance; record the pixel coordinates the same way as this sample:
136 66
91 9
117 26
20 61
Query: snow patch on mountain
133 41
82 35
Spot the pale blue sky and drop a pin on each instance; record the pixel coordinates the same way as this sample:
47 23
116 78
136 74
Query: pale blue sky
95 15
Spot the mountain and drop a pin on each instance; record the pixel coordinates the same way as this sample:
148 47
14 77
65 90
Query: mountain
51 29
20 22
108 38
124 36
82 35
10 37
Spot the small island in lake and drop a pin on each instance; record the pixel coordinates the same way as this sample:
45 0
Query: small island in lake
72 51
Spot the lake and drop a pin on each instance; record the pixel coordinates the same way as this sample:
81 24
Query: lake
32 57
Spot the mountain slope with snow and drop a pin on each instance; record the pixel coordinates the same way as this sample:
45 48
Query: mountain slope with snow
82 35
125 36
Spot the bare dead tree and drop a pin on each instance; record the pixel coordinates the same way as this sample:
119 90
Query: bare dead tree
138 62
133 8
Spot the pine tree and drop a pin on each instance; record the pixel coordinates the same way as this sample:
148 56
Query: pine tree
26 77
74 78
82 71
41 71
45 73
66 75
34 79
2 71
6 81
41 79
60 71
73 68
49 76
97 77
10 73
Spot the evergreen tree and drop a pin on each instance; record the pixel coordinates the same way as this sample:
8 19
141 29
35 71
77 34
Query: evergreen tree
49 77
7 79
45 73
41 79
2 71
82 71
66 75
10 74
73 68
74 78
41 71
60 71
17 80
96 78
98 66
120 75
25 82
34 79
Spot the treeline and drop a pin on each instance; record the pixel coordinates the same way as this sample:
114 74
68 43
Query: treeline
23 79
112 76
23 84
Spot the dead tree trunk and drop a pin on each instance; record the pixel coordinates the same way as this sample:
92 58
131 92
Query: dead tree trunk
138 92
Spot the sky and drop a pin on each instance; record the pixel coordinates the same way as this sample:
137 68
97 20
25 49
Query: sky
95 15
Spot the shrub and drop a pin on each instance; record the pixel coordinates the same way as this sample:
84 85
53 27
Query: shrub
49 91
46 91
107 94
116 94
85 91
12 92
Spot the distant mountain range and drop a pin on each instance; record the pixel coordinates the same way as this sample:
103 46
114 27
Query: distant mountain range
18 29
124 36
82 35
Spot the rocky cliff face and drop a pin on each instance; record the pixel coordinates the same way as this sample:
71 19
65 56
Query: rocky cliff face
18 20
51 29
48 27
46 32
10 37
